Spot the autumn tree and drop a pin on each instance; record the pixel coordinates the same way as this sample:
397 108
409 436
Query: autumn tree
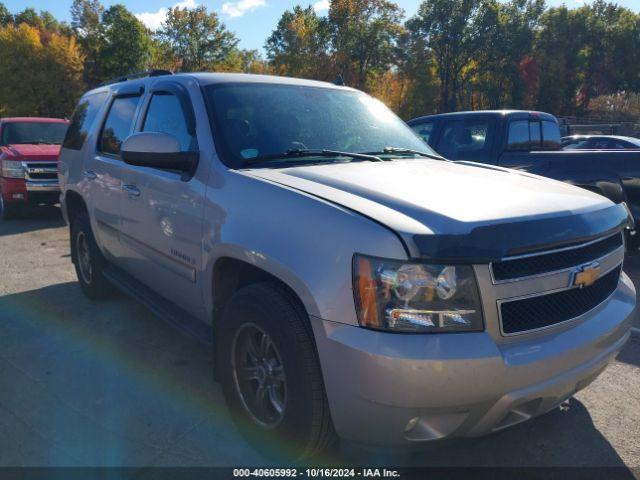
363 37
448 29
198 38
54 63
86 23
299 44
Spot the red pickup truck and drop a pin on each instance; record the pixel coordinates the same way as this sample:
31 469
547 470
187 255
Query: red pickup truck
29 149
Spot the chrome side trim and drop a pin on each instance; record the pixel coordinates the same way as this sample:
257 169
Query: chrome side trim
500 302
548 252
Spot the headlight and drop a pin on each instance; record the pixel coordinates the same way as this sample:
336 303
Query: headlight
12 169
415 297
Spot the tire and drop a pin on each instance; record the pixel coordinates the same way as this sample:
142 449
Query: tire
303 428
88 260
9 211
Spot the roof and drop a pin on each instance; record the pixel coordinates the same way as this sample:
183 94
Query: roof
33 120
210 78
516 113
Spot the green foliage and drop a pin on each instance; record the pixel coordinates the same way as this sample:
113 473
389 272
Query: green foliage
125 45
301 35
363 36
5 15
198 38
85 21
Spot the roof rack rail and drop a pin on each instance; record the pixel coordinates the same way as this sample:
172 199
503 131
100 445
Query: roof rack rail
133 76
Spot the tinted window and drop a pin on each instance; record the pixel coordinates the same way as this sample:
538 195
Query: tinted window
82 120
165 116
423 130
258 120
14 133
551 135
463 137
118 125
535 135
579 144
519 136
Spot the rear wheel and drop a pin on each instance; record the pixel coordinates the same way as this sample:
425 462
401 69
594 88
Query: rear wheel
88 259
271 375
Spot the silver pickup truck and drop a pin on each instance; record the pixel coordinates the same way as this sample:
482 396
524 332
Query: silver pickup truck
352 283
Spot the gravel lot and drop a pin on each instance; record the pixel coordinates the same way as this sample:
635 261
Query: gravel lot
86 384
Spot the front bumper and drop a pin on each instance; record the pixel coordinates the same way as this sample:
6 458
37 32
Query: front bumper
17 190
394 389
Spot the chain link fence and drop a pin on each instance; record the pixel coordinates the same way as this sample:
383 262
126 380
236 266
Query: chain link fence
598 126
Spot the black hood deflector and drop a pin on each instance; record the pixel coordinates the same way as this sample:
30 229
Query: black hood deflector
493 242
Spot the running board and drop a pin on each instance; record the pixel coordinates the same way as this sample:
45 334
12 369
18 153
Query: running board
160 306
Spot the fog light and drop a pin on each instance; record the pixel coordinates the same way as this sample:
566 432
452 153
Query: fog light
18 196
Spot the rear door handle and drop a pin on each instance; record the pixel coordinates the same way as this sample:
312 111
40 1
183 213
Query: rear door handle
90 175
131 190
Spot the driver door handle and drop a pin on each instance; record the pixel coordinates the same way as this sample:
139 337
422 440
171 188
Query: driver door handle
90 175
131 190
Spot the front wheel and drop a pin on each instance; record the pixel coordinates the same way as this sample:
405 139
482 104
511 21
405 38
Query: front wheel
88 259
271 375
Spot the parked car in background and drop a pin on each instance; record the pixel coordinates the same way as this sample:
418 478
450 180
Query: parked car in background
29 149
531 142
599 142
351 280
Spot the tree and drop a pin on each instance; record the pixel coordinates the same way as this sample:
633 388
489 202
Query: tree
198 38
363 36
54 63
5 15
448 29
299 45
85 21
125 44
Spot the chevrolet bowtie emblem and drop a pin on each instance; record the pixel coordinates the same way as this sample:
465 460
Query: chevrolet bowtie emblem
586 275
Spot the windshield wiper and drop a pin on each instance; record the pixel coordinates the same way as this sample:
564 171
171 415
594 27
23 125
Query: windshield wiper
406 150
299 153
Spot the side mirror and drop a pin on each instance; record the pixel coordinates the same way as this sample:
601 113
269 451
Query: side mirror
157 150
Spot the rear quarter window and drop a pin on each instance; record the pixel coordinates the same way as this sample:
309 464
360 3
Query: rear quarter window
82 120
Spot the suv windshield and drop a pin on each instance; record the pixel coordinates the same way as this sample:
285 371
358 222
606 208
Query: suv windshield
255 121
32 133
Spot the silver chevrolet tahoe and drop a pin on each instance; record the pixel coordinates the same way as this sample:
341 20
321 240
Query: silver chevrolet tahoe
351 282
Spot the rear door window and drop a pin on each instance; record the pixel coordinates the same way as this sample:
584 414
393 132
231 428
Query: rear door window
117 126
519 135
82 120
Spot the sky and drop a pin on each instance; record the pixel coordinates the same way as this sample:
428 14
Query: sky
251 20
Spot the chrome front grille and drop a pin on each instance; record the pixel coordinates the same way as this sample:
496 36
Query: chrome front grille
542 263
543 289
39 171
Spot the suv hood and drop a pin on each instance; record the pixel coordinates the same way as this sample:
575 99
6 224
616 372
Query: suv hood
418 197
34 151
